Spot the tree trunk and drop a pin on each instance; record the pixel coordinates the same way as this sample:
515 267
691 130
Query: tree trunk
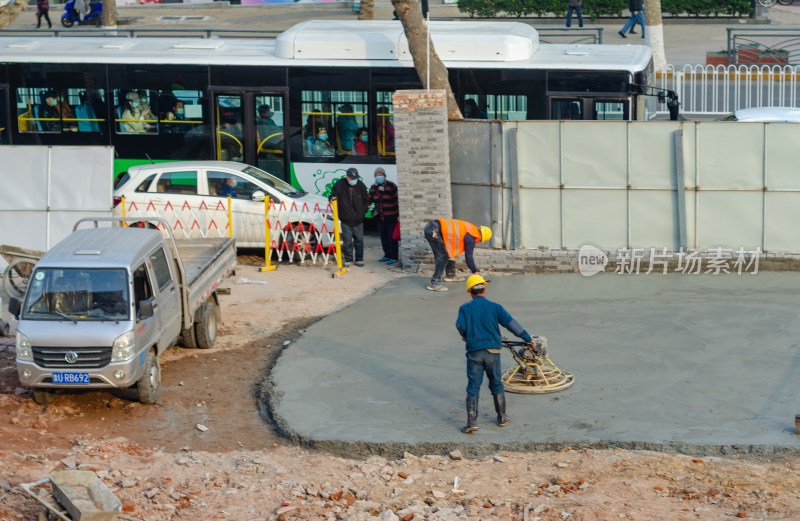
367 11
654 33
109 13
410 14
9 12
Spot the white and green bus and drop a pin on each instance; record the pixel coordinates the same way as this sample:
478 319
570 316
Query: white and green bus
263 101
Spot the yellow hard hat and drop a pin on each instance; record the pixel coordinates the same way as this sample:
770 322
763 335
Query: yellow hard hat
486 233
474 280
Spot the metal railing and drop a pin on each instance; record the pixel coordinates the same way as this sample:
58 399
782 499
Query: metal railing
710 90
764 46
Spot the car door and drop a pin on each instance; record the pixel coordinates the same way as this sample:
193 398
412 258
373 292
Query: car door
247 212
147 329
176 195
168 294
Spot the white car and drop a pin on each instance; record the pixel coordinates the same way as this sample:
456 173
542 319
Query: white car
193 197
765 115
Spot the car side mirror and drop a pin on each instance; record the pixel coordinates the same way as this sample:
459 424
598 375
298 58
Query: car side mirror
258 196
14 306
145 309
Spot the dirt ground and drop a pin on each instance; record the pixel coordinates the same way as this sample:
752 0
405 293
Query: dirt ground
157 461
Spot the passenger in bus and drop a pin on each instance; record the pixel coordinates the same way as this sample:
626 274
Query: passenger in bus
175 112
134 118
346 127
66 113
360 147
48 119
472 111
321 145
265 116
385 132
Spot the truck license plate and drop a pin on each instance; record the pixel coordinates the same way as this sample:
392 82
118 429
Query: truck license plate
70 378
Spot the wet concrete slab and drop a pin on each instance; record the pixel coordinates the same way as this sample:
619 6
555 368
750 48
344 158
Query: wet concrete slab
698 364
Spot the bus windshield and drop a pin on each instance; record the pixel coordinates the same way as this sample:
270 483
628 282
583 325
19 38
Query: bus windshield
269 179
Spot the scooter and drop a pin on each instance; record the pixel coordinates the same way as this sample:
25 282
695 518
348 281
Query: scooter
71 16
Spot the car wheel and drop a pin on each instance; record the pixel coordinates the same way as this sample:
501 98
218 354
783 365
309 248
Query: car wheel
205 329
306 239
149 383
43 397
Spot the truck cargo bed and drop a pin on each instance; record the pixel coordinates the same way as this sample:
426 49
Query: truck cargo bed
206 262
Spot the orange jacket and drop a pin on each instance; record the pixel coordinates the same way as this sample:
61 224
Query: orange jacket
453 232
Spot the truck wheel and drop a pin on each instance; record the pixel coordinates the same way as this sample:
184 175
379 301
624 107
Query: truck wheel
43 397
189 339
148 384
206 329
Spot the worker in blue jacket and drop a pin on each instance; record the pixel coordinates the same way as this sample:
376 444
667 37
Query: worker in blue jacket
479 324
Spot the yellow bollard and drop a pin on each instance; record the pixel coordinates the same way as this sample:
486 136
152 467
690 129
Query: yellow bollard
338 240
122 202
230 218
268 239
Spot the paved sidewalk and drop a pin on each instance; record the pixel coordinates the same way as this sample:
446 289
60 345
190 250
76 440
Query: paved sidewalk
686 43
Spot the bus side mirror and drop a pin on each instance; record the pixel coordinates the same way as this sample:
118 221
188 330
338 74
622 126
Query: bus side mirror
14 306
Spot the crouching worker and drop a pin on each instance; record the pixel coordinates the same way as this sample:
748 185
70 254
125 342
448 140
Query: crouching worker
479 324
448 239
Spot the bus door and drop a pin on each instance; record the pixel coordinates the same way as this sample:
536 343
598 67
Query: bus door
249 128
5 132
576 108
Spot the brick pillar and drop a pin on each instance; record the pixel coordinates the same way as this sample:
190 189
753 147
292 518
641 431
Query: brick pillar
423 169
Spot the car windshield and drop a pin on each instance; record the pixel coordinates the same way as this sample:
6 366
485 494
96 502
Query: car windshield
77 294
270 180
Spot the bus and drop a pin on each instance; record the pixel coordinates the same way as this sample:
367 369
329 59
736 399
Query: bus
270 103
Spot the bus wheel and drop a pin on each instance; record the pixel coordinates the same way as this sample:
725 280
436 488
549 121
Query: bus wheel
206 329
148 384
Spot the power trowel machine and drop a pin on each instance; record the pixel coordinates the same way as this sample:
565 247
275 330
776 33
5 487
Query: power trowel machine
534 372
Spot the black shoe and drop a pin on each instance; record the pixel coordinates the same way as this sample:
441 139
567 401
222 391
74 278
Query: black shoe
642 36
632 32
472 415
622 34
500 409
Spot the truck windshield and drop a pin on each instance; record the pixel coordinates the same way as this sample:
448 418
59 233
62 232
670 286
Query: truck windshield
77 294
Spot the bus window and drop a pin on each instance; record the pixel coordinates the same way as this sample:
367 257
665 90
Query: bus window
230 135
136 111
269 144
335 114
3 130
36 110
566 108
613 110
384 135
180 111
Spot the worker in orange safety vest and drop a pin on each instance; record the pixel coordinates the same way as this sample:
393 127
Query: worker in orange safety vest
449 238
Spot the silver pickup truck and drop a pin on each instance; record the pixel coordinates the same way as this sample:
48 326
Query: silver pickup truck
105 302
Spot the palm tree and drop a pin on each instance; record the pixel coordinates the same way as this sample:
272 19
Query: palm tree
410 14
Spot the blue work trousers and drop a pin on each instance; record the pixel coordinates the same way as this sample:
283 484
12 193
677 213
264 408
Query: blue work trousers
479 362
353 238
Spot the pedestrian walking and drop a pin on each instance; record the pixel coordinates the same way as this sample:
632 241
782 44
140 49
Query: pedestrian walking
43 10
383 194
448 239
479 324
574 5
353 199
637 16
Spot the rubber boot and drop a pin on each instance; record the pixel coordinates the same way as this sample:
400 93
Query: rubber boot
472 415
500 408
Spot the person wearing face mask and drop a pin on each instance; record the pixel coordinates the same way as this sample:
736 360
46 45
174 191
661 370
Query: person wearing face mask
383 194
177 112
48 118
322 146
360 147
347 127
134 117
352 198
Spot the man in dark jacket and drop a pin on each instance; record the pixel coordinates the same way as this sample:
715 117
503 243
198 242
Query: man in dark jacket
383 194
637 16
352 199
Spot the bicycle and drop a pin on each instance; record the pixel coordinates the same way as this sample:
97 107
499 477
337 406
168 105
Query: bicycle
767 3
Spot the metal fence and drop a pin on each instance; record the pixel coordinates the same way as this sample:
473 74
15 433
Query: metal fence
719 90
764 45
143 33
